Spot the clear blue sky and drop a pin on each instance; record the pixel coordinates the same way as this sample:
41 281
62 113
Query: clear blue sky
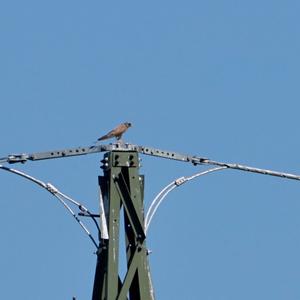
213 78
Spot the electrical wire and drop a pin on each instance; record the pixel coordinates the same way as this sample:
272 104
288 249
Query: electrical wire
251 169
76 218
166 190
153 204
80 206
60 196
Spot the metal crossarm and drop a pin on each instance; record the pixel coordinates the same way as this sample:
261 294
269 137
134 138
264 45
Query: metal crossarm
170 155
195 160
23 157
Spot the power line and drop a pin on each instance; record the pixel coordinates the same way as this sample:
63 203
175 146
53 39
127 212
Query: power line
252 169
167 189
61 197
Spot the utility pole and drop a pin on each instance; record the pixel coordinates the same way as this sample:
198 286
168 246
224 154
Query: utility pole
122 190
123 187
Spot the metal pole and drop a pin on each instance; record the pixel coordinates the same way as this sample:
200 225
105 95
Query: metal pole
123 187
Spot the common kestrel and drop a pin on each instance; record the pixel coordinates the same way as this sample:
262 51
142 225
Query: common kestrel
117 132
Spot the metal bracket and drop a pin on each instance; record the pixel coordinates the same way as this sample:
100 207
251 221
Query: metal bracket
22 158
195 160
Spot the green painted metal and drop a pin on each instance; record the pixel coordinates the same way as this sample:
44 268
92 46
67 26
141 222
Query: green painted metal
123 187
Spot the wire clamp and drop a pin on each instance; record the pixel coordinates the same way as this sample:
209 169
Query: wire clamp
180 181
51 188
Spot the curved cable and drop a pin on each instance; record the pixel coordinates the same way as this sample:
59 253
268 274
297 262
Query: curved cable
59 195
39 182
76 218
166 190
154 202
151 215
80 206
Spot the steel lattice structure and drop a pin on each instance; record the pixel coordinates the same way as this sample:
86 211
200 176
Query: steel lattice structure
122 189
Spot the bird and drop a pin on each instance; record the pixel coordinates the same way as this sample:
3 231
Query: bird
116 132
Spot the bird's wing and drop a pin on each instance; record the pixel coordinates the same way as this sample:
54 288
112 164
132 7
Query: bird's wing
119 130
106 136
116 132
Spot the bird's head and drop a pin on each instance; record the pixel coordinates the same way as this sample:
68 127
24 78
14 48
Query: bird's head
127 124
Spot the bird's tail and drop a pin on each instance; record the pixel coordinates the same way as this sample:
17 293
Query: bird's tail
107 136
95 143
104 137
